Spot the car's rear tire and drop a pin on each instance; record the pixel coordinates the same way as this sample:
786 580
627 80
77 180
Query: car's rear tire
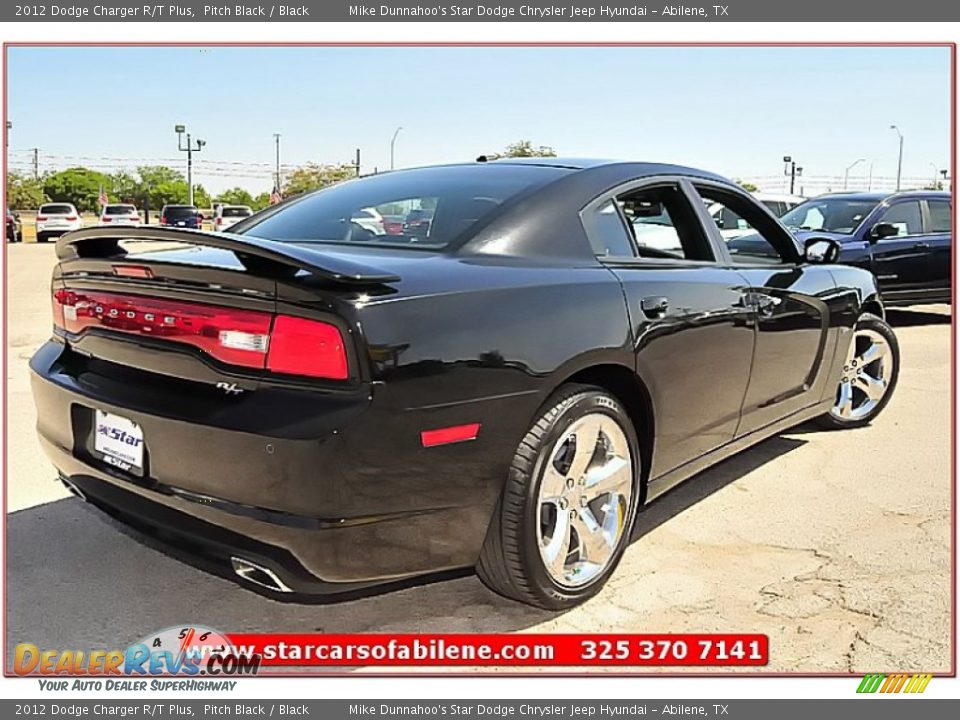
868 378
564 518
42 237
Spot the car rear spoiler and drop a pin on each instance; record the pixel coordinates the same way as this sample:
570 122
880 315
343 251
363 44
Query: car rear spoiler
257 255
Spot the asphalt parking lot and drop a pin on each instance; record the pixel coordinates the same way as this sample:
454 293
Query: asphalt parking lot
836 545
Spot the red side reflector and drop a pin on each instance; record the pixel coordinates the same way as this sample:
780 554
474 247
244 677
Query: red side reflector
107 219
447 435
135 271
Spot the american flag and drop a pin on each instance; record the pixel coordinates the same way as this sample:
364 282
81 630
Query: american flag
103 196
275 196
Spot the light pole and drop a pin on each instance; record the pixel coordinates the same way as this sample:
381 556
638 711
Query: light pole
851 166
189 150
870 177
900 155
790 168
936 171
393 142
276 137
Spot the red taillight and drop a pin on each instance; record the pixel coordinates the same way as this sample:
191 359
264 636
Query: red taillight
41 218
307 347
219 221
163 220
106 219
134 218
260 340
71 218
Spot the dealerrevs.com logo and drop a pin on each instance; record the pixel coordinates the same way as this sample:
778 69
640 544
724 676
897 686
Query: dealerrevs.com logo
896 683
188 650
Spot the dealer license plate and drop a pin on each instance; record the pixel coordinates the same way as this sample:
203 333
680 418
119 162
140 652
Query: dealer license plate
119 440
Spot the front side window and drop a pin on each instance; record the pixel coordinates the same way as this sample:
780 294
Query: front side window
829 214
905 217
758 238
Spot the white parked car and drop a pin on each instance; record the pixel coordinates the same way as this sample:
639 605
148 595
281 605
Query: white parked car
369 219
119 214
228 215
733 226
55 219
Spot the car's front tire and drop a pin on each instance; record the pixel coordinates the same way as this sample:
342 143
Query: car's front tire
868 377
42 237
564 518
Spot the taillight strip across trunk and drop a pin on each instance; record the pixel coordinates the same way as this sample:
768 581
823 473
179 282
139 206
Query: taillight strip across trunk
247 338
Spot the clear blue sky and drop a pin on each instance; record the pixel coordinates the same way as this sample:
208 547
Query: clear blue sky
736 111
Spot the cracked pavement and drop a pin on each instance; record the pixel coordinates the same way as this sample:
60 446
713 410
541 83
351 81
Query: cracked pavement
835 544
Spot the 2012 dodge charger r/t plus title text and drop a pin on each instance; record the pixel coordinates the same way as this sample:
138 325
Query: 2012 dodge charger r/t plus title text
503 383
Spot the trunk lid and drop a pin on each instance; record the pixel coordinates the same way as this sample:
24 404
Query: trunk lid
207 307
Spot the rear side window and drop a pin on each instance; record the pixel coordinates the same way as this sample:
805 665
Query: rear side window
654 222
905 216
939 216
438 205
607 232
56 210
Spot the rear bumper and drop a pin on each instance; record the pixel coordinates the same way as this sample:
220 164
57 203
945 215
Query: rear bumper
316 509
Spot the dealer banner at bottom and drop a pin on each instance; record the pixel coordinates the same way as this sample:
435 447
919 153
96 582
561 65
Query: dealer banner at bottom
488 709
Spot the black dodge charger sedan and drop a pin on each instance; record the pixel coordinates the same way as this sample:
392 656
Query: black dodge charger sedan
322 405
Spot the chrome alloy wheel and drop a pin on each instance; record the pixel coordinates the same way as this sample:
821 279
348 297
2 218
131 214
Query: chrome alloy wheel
583 500
865 377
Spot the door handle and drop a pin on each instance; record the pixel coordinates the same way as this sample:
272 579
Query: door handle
654 306
921 245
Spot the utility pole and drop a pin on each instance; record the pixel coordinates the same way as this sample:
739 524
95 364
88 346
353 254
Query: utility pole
358 162
900 155
276 137
190 150
790 168
36 163
393 142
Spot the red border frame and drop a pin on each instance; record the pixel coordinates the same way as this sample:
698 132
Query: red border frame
503 672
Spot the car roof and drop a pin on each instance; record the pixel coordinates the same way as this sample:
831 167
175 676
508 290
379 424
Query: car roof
880 196
638 168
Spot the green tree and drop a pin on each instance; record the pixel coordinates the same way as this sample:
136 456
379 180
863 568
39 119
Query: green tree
260 201
23 192
237 196
313 176
124 187
748 186
201 198
525 148
78 185
161 185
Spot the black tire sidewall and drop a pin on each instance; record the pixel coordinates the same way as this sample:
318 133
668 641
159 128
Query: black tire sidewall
544 585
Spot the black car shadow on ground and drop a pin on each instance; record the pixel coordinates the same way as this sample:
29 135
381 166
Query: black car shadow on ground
911 318
77 578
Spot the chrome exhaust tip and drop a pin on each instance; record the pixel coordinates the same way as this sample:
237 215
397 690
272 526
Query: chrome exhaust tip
258 575
74 490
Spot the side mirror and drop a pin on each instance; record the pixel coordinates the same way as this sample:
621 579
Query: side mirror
882 230
821 250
